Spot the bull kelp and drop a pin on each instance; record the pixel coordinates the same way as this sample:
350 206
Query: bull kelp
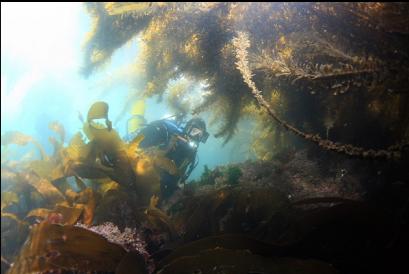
313 95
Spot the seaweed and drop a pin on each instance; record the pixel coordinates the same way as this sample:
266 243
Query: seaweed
330 73
51 247
242 261
308 54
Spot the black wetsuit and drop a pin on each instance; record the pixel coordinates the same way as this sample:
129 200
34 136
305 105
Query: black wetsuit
167 136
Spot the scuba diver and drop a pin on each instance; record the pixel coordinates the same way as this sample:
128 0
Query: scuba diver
173 139
178 143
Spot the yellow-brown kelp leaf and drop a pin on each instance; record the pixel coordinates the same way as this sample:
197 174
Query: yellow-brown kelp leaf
39 213
67 215
226 241
90 171
71 195
12 217
158 219
46 169
21 139
77 150
107 145
87 198
58 146
15 137
70 214
55 247
107 140
151 161
49 192
154 201
76 153
98 110
8 198
132 148
58 128
105 185
243 261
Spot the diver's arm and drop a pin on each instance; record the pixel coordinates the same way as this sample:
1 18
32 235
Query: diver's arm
191 167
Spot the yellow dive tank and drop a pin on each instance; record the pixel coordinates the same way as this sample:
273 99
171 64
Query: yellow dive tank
137 119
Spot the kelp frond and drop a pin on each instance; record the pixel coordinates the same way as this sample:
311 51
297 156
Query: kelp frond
318 56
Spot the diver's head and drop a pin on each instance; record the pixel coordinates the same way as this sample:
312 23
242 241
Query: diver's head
195 129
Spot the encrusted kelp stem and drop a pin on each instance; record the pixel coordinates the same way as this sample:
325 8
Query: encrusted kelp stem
241 43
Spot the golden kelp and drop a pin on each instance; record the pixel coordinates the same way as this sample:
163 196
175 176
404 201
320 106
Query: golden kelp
225 241
159 220
243 261
311 48
8 198
21 139
15 137
62 213
52 247
87 198
59 129
71 209
48 191
105 185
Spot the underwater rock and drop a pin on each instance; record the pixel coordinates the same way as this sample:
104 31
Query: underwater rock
296 175
228 210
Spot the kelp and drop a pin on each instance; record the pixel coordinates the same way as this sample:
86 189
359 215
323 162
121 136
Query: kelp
21 139
47 190
88 199
51 247
111 167
308 54
15 137
225 241
241 43
77 207
59 129
105 185
243 261
159 220
8 198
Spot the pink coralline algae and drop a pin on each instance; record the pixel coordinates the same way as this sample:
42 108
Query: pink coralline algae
128 239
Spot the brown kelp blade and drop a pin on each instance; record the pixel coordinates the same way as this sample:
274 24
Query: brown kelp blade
243 262
52 247
58 128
